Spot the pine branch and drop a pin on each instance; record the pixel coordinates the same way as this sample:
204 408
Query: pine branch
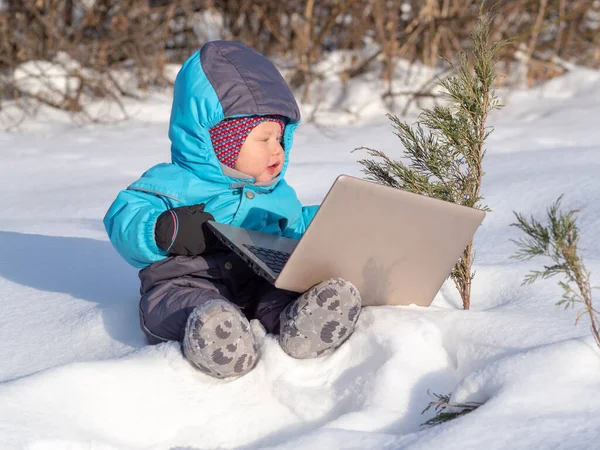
442 403
558 240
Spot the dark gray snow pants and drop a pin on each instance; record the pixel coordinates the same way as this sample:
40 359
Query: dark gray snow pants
172 288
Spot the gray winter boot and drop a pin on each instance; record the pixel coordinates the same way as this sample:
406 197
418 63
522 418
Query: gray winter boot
218 340
320 320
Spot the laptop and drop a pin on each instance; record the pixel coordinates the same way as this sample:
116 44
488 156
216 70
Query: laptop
396 247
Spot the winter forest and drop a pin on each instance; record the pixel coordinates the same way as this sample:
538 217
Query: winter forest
492 106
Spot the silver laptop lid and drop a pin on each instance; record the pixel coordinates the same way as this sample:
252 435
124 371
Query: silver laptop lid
396 247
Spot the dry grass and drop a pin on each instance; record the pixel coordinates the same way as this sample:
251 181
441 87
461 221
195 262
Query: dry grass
141 36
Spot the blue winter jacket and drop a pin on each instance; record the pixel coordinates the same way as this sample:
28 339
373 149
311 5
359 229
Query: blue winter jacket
224 79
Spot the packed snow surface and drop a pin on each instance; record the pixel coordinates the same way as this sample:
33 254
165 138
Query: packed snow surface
75 371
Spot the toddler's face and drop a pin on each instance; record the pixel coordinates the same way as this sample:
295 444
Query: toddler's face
261 155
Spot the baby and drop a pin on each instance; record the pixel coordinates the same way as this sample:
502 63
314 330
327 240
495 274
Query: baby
231 130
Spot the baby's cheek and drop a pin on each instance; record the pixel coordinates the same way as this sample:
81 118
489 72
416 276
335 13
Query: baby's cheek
264 160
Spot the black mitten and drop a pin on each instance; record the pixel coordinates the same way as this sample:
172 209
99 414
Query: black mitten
183 230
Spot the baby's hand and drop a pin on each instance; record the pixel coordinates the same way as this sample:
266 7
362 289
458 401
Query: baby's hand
182 230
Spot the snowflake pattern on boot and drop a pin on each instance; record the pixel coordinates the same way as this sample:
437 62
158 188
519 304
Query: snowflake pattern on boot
218 340
320 320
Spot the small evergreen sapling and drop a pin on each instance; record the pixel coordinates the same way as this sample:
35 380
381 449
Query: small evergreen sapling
558 240
446 147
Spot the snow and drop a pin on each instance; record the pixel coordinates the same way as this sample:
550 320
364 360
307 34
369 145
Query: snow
46 80
75 371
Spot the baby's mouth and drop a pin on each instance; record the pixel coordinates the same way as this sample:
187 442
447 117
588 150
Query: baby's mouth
273 167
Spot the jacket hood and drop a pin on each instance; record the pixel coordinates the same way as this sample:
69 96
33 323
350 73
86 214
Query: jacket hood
225 79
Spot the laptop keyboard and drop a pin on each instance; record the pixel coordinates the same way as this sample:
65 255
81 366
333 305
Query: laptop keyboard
274 259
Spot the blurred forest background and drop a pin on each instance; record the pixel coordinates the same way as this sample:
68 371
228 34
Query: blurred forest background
64 53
